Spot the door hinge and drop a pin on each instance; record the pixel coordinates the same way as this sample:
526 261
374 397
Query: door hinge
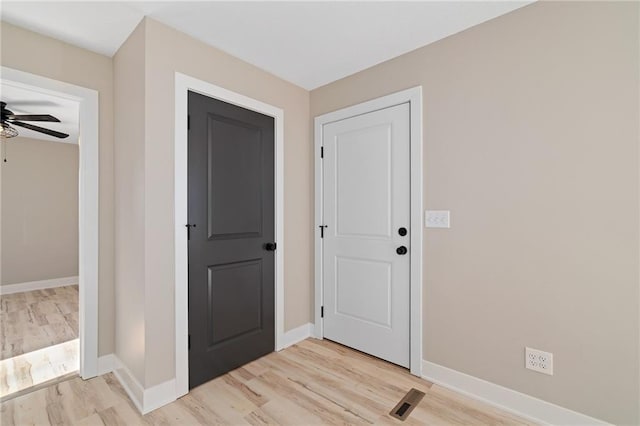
321 311
189 342
188 122
189 226
322 230
322 152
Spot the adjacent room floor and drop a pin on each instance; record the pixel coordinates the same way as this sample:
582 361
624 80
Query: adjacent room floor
39 338
313 382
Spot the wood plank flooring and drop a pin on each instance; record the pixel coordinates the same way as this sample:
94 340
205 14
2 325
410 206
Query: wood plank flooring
35 368
37 319
314 382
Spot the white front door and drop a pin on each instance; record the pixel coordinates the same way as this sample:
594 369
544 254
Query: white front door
366 266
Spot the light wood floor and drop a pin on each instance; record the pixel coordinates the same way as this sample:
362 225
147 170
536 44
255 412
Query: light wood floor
313 382
37 368
37 319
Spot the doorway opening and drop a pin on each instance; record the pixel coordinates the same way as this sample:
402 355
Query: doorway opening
39 288
49 234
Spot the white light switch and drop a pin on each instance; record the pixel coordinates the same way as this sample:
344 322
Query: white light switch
436 219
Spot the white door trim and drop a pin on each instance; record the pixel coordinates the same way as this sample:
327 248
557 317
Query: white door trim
184 84
414 97
87 204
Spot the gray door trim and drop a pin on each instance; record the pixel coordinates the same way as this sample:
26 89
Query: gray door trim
184 84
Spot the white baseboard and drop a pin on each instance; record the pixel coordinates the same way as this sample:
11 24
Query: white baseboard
159 395
296 335
526 406
130 384
37 285
506 399
146 400
106 364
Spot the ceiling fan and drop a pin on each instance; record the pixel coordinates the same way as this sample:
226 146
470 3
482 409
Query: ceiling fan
9 119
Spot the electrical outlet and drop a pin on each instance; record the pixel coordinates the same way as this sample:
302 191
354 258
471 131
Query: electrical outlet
539 361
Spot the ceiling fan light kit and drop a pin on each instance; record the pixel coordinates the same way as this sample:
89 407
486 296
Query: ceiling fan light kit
7 131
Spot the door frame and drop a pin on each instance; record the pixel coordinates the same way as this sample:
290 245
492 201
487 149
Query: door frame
88 207
184 84
413 96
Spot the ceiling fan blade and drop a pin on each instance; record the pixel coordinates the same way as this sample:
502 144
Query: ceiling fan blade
33 117
40 129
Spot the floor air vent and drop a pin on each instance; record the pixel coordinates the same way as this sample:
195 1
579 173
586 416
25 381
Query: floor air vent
407 404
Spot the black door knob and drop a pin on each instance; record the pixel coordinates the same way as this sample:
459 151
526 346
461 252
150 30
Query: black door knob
402 231
401 250
270 247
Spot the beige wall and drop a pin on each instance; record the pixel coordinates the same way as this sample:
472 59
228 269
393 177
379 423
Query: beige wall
129 156
30 52
39 211
531 136
163 51
531 140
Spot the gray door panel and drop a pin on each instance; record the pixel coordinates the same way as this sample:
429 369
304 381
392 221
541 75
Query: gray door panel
231 204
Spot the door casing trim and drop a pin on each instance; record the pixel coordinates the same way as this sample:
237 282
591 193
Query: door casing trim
88 207
184 84
414 97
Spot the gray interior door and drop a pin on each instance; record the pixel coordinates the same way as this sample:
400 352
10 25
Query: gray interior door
231 237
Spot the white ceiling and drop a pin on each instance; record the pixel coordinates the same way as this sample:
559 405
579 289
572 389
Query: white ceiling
24 101
307 43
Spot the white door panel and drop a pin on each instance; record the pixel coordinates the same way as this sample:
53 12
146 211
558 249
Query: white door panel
377 275
363 186
366 185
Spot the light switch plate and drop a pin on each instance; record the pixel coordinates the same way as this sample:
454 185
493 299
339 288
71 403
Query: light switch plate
436 219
